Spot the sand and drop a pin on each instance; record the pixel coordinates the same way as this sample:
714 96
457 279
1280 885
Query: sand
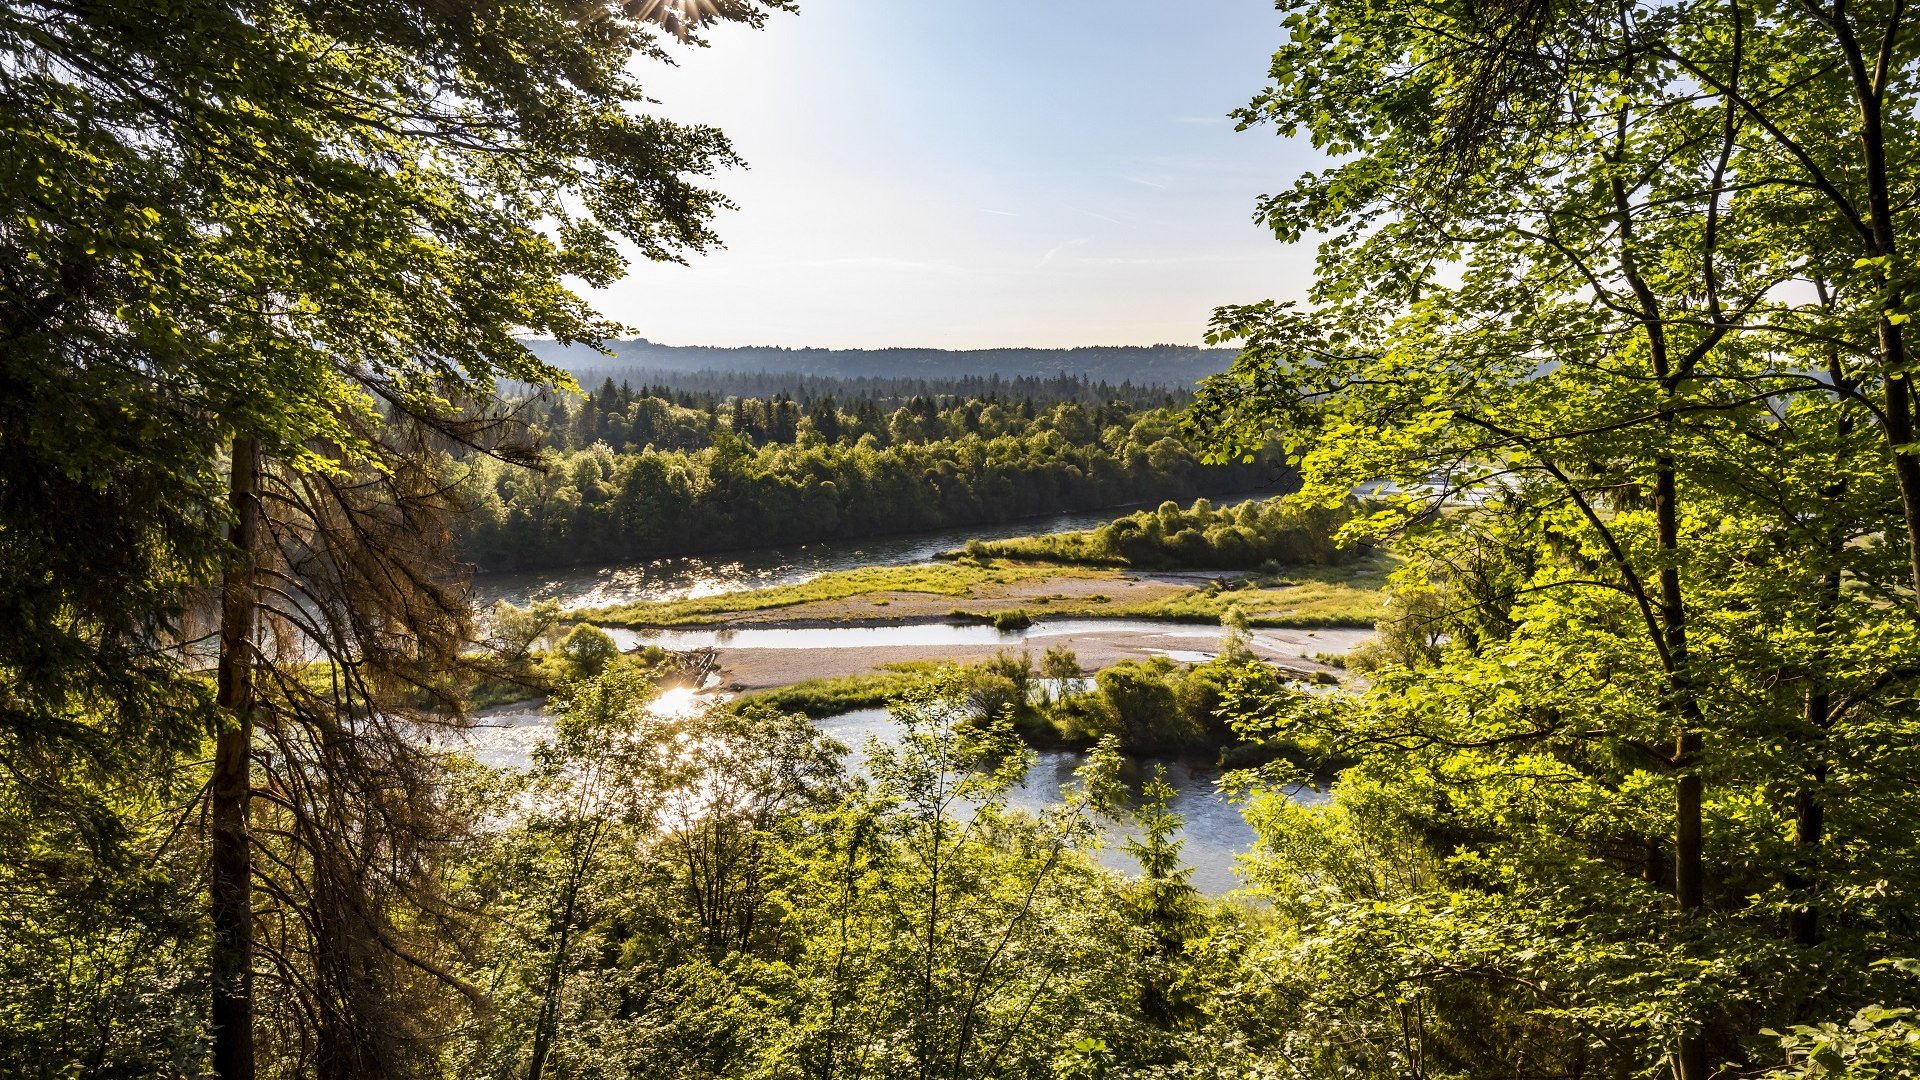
745 670
1033 596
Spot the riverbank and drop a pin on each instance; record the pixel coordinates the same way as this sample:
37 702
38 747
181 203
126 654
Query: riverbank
1344 596
760 658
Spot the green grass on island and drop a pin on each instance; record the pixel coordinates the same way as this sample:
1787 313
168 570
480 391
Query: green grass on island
837 694
869 583
1277 563
1319 596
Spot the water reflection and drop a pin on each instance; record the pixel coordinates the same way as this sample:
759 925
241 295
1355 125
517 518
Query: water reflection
677 703
1213 831
924 635
692 576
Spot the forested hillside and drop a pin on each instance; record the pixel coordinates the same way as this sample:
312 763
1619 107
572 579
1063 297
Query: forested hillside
691 388
1178 366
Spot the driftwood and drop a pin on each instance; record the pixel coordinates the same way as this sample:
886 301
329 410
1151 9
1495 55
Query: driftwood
690 668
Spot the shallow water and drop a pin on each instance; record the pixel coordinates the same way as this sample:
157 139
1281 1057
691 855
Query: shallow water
917 634
1191 643
1213 832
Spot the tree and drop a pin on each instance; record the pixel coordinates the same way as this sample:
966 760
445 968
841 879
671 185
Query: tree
1553 309
943 934
243 232
1163 901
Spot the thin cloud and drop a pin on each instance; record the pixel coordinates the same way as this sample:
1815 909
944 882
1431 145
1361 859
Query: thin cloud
886 263
1057 249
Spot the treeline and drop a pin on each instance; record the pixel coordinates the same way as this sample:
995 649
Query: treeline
917 468
1158 365
887 391
677 416
1257 533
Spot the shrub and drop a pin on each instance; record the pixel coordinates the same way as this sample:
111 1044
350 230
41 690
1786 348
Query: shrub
586 651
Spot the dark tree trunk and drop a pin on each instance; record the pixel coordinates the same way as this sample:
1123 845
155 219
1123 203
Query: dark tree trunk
1809 822
1869 79
232 782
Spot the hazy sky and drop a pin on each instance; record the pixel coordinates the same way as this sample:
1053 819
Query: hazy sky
973 173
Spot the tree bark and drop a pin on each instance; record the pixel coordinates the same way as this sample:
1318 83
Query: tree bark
231 787
1869 91
1688 888
1809 823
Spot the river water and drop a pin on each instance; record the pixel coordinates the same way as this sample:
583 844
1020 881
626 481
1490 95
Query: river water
1201 640
691 576
1214 832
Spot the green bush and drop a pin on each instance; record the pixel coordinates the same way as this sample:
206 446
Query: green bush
1265 533
586 651
1143 699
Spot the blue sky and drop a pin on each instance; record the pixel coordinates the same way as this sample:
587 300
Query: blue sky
978 173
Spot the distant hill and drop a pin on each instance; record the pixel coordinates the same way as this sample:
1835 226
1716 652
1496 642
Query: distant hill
1154 365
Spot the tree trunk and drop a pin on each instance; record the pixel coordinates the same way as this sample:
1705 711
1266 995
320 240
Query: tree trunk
1900 436
1809 822
1869 91
546 1028
1690 1056
232 783
1691 1059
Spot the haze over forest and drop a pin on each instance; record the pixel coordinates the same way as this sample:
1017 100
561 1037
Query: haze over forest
1148 365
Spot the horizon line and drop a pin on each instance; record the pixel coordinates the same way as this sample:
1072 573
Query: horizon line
892 348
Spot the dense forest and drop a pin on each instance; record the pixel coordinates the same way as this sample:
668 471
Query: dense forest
1619 296
661 471
706 388
1170 366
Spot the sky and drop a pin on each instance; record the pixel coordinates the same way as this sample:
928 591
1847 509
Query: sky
977 173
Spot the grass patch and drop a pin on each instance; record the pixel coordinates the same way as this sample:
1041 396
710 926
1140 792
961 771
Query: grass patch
1313 604
487 693
1084 548
1321 596
821 698
1347 595
937 579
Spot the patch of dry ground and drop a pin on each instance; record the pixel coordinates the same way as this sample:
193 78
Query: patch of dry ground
746 670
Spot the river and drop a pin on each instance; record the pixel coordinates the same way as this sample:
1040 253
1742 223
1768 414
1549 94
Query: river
1214 832
690 576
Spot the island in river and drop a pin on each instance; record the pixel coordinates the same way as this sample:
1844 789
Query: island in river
784 616
780 617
